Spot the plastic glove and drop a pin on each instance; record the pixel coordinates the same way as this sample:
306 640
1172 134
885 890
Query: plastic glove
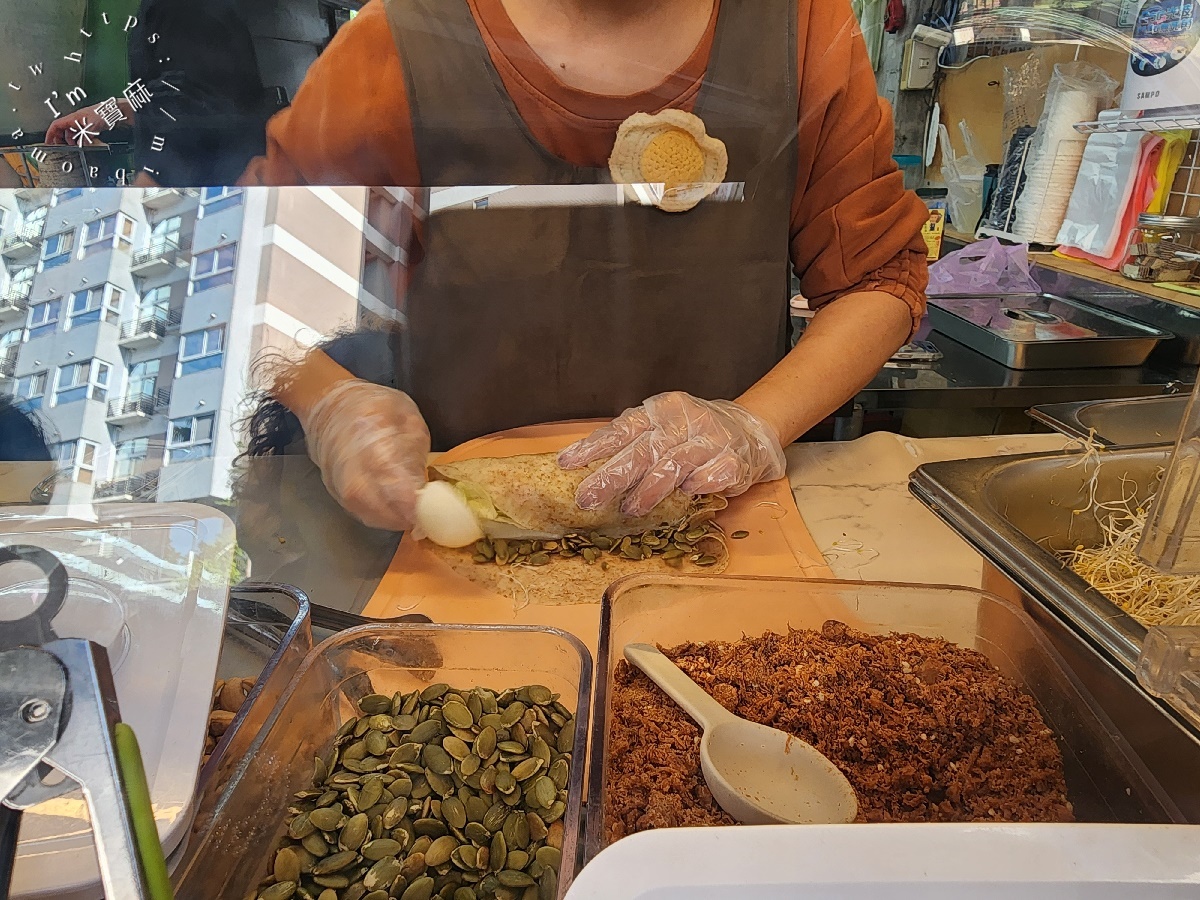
675 440
371 445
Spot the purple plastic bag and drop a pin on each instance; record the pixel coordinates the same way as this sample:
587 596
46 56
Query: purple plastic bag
985 267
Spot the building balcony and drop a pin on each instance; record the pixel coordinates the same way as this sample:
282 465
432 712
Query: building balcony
137 408
32 194
161 198
142 487
8 363
22 241
147 330
15 301
161 257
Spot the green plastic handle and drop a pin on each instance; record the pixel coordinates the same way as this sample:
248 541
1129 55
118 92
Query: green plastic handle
137 796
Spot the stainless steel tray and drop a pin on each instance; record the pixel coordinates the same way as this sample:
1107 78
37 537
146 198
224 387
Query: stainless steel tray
1017 510
1138 421
1043 331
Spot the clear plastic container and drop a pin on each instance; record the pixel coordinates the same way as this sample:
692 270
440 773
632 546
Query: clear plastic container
231 858
150 583
1105 780
268 633
1171 539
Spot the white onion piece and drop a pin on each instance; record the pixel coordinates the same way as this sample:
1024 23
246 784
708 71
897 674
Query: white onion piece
445 517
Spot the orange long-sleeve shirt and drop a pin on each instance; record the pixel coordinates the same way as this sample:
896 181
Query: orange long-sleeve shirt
853 226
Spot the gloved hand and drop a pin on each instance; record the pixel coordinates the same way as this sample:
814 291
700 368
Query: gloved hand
675 440
371 445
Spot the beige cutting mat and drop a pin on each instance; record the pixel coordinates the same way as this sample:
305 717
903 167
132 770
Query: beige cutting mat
448 587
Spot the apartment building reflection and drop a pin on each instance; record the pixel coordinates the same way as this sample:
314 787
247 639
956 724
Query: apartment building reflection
130 319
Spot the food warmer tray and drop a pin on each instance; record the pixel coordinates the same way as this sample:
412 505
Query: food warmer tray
1043 331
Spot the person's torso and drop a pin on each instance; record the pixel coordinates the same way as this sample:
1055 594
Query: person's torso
524 312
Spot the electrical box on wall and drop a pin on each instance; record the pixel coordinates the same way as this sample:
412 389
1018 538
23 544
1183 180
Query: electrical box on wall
918 66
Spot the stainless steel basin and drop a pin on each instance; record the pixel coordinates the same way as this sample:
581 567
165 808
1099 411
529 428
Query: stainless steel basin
1140 421
1018 510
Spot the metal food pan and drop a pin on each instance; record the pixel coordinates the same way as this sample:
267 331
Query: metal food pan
1137 421
1043 331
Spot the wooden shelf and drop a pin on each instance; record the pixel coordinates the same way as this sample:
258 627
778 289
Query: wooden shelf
1096 273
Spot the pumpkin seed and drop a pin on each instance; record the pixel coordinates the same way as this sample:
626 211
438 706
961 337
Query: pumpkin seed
301 827
464 856
315 844
354 832
457 714
456 747
485 744
434 691
426 731
469 766
738 535
510 878
381 874
545 792
465 893
421 889
439 852
517 860
476 833
373 704
335 862
497 852
537 828
413 866
287 866
551 857
332 881
455 813
284 890
527 769
328 894
374 895
548 885
512 714
432 828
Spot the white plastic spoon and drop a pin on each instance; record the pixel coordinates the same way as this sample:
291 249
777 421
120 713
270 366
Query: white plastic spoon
757 774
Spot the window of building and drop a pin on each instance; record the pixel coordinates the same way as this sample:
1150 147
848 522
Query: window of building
215 199
213 268
56 249
20 283
36 218
43 317
201 350
82 380
127 455
77 460
28 390
167 230
95 303
10 340
190 438
143 379
65 194
111 231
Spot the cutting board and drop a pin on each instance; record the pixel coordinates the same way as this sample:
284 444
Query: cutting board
418 581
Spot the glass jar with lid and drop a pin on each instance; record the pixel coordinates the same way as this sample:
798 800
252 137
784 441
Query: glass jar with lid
1163 248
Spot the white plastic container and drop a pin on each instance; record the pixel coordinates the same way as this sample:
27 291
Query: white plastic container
151 584
898 862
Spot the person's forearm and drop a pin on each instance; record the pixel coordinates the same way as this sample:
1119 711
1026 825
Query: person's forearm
842 349
309 381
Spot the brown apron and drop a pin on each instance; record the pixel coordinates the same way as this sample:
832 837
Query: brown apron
525 315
